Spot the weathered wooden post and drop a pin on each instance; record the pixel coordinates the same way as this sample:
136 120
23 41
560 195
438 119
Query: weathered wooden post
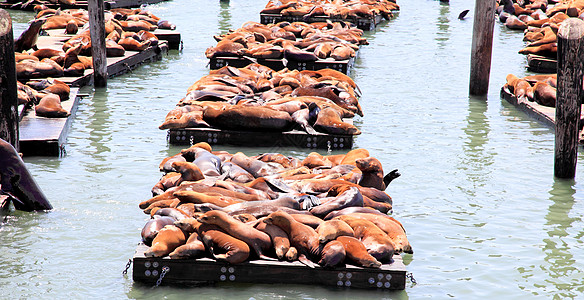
482 46
97 30
569 95
8 89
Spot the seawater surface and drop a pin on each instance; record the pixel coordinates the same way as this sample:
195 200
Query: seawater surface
477 195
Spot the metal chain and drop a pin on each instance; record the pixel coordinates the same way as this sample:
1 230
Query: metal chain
410 276
125 271
165 270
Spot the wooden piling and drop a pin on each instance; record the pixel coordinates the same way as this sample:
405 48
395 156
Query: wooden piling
482 46
97 29
8 88
569 95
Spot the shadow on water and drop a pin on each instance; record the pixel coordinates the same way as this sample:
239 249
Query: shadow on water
558 255
224 16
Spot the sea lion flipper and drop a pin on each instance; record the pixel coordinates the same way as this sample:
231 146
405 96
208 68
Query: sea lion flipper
387 179
305 261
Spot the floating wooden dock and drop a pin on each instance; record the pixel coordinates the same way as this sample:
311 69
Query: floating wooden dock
361 23
40 136
541 64
294 138
544 114
205 271
83 4
343 66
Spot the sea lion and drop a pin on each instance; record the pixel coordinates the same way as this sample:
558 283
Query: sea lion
329 121
193 248
188 225
200 198
544 94
208 163
331 229
235 251
163 24
47 53
71 27
172 212
59 88
257 240
279 238
314 160
189 171
245 218
308 219
333 254
372 173
392 227
131 44
255 167
357 253
166 164
244 117
292 254
50 107
167 239
16 181
161 204
302 237
29 37
167 181
344 196
153 226
236 173
378 244
35 69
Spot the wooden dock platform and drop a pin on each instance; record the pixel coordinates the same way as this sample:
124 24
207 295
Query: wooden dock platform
544 114
541 64
40 136
343 66
361 23
192 272
294 138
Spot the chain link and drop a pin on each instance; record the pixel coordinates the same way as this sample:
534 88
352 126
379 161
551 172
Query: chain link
125 271
165 270
410 276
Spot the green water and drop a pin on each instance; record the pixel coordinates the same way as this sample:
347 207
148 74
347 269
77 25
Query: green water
477 194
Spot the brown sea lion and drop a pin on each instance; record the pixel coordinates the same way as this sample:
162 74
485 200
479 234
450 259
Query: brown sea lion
189 171
257 240
47 53
153 226
35 69
378 244
372 173
167 239
230 249
302 237
353 155
279 238
331 229
329 121
292 254
255 167
50 107
357 253
308 219
112 49
333 254
166 164
59 88
200 198
236 173
544 94
193 248
71 27
167 181
245 218
392 227
161 204
131 44
28 38
243 117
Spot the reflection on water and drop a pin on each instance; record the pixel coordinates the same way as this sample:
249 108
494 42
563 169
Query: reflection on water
443 25
224 17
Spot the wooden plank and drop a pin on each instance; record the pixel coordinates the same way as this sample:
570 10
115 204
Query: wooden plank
292 138
190 272
343 66
544 114
40 136
541 64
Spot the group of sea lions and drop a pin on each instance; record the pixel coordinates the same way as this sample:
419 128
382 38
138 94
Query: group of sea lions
126 30
45 95
337 9
258 98
296 41
330 210
538 88
540 20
